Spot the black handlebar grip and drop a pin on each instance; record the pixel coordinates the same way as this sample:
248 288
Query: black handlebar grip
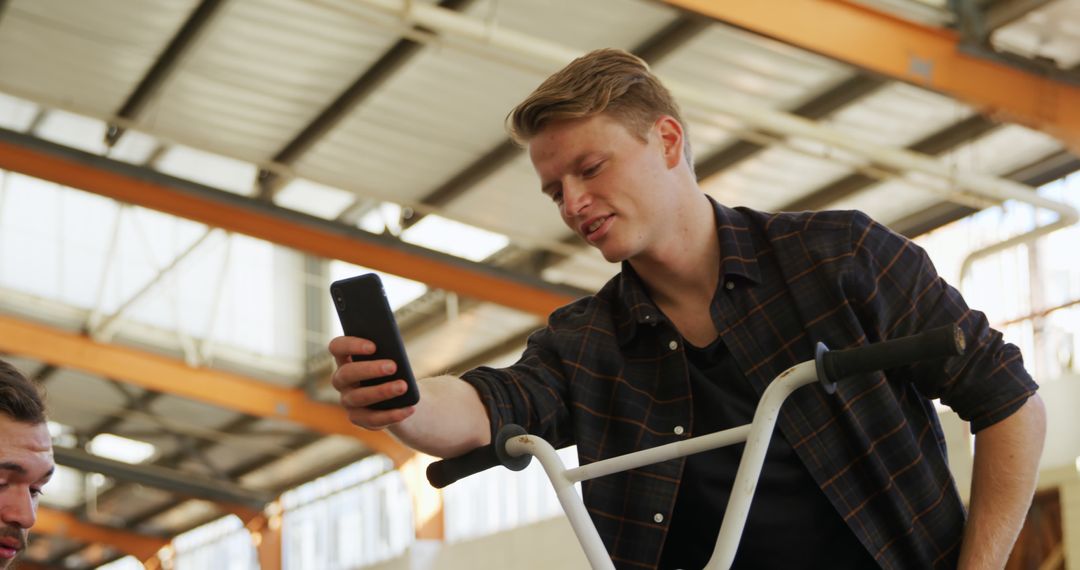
446 471
936 343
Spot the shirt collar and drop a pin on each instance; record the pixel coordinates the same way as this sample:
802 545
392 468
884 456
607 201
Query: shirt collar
738 260
738 254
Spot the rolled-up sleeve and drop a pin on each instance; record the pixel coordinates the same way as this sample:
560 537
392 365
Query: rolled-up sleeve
893 284
532 392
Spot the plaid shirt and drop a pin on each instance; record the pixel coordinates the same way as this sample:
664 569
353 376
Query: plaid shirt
609 374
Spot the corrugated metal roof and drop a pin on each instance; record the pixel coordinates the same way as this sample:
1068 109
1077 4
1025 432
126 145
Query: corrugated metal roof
57 49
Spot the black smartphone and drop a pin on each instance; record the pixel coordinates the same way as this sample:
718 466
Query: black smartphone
365 312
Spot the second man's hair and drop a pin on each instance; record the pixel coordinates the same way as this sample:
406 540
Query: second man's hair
20 399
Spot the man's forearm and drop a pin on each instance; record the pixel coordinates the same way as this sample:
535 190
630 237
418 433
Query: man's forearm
449 420
1003 482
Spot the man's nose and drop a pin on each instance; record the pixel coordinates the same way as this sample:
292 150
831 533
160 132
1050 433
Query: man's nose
19 510
575 198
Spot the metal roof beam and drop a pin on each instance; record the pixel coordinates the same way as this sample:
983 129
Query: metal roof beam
216 387
163 66
929 57
934 144
54 522
1043 171
145 187
400 54
174 459
178 482
977 19
848 91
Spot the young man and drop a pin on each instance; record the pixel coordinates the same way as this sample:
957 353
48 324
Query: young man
711 304
26 459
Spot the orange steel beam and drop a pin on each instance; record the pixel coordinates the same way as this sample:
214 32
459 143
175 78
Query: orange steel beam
59 523
266 533
24 564
910 52
153 372
150 189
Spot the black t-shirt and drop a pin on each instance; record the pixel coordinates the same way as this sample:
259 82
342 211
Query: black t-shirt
791 523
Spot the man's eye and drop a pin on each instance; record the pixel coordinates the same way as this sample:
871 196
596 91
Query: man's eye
556 196
592 170
35 493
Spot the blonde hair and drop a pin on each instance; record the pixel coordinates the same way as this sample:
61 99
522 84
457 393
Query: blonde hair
608 81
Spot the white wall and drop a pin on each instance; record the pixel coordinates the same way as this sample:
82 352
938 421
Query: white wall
1059 468
539 546
1062 399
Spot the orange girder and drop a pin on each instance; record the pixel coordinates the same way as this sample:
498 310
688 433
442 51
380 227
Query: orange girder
925 56
59 523
162 374
67 168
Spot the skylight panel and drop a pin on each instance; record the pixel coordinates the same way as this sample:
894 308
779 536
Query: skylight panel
386 217
455 238
134 148
73 130
65 489
120 448
29 226
212 170
16 114
316 199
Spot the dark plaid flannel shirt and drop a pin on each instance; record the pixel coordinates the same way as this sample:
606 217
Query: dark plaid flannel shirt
609 374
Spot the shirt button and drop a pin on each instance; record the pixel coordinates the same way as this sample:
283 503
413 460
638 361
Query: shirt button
679 430
673 345
658 518
729 285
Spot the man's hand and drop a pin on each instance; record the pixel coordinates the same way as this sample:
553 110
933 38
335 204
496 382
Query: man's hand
355 398
448 420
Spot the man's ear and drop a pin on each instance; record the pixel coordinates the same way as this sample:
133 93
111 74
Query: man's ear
671 139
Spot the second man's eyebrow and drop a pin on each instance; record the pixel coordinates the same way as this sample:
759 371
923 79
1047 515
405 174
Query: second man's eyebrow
12 466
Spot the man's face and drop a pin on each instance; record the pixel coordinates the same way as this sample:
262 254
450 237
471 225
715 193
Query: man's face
608 183
26 464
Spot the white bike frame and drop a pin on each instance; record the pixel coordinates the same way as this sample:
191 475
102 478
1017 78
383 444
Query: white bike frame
756 434
827 367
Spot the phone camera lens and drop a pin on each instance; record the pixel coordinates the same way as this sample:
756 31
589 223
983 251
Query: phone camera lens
339 299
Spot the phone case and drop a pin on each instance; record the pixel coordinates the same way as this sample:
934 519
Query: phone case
365 312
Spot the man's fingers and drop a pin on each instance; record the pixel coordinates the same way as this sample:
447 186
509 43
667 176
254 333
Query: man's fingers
348 375
364 396
356 398
343 347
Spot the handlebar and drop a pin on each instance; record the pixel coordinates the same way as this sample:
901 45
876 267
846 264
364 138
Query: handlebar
835 365
442 473
832 366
